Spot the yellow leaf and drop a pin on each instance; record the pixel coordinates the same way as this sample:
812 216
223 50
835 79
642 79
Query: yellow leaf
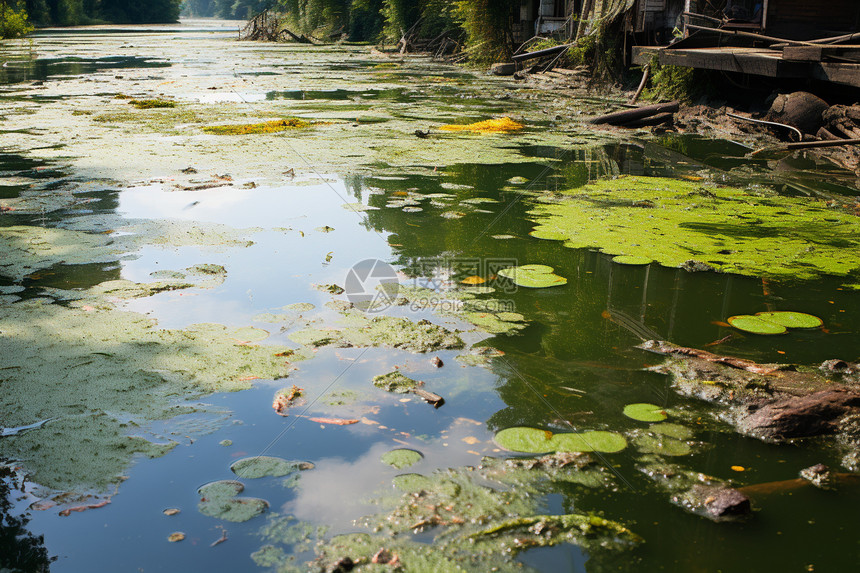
738 468
473 280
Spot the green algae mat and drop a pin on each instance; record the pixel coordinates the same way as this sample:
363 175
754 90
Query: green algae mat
752 232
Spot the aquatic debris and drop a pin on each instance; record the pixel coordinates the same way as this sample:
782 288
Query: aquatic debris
176 536
273 126
324 229
330 288
395 332
499 125
335 421
478 518
79 508
264 466
402 458
400 384
774 322
645 412
473 280
285 398
535 441
171 512
752 232
533 276
15 431
151 103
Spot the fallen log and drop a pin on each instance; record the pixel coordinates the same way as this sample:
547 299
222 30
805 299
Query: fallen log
659 119
826 135
663 347
541 53
628 115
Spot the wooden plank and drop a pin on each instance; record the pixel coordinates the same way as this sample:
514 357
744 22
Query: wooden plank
839 73
802 53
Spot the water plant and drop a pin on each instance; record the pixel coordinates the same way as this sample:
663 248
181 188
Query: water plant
151 103
753 231
498 125
533 276
774 322
273 126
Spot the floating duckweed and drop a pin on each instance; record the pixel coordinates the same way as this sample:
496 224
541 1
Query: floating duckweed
631 260
274 126
645 412
500 125
263 466
743 231
395 382
151 103
676 431
235 509
402 458
411 482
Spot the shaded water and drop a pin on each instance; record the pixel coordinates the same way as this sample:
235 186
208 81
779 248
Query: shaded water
574 364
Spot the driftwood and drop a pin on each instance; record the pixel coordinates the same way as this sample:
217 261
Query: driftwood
663 347
658 119
434 400
646 73
628 115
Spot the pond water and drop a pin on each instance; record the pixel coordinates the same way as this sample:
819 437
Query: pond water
436 210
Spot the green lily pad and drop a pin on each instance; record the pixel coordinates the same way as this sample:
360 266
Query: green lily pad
221 489
676 431
262 466
606 442
632 260
645 412
298 307
535 441
402 458
249 334
791 319
533 276
526 440
756 325
236 509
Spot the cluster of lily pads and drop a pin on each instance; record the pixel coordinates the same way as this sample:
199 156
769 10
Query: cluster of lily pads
220 499
777 322
659 438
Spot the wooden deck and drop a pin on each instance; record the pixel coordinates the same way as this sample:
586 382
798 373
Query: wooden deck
789 62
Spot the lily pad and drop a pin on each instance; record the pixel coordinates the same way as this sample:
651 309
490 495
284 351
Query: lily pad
533 276
645 412
791 319
235 509
535 441
402 458
756 325
676 431
222 489
262 466
606 442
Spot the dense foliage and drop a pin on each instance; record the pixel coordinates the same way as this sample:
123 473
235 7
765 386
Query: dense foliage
13 20
74 12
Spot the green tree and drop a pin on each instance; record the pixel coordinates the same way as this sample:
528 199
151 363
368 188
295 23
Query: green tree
13 20
488 28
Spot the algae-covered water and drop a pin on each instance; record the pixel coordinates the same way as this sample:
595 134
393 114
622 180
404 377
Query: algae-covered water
174 301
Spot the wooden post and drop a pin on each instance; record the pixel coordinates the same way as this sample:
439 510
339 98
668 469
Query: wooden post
764 16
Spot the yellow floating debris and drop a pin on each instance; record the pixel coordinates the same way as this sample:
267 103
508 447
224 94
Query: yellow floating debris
258 128
500 125
473 280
